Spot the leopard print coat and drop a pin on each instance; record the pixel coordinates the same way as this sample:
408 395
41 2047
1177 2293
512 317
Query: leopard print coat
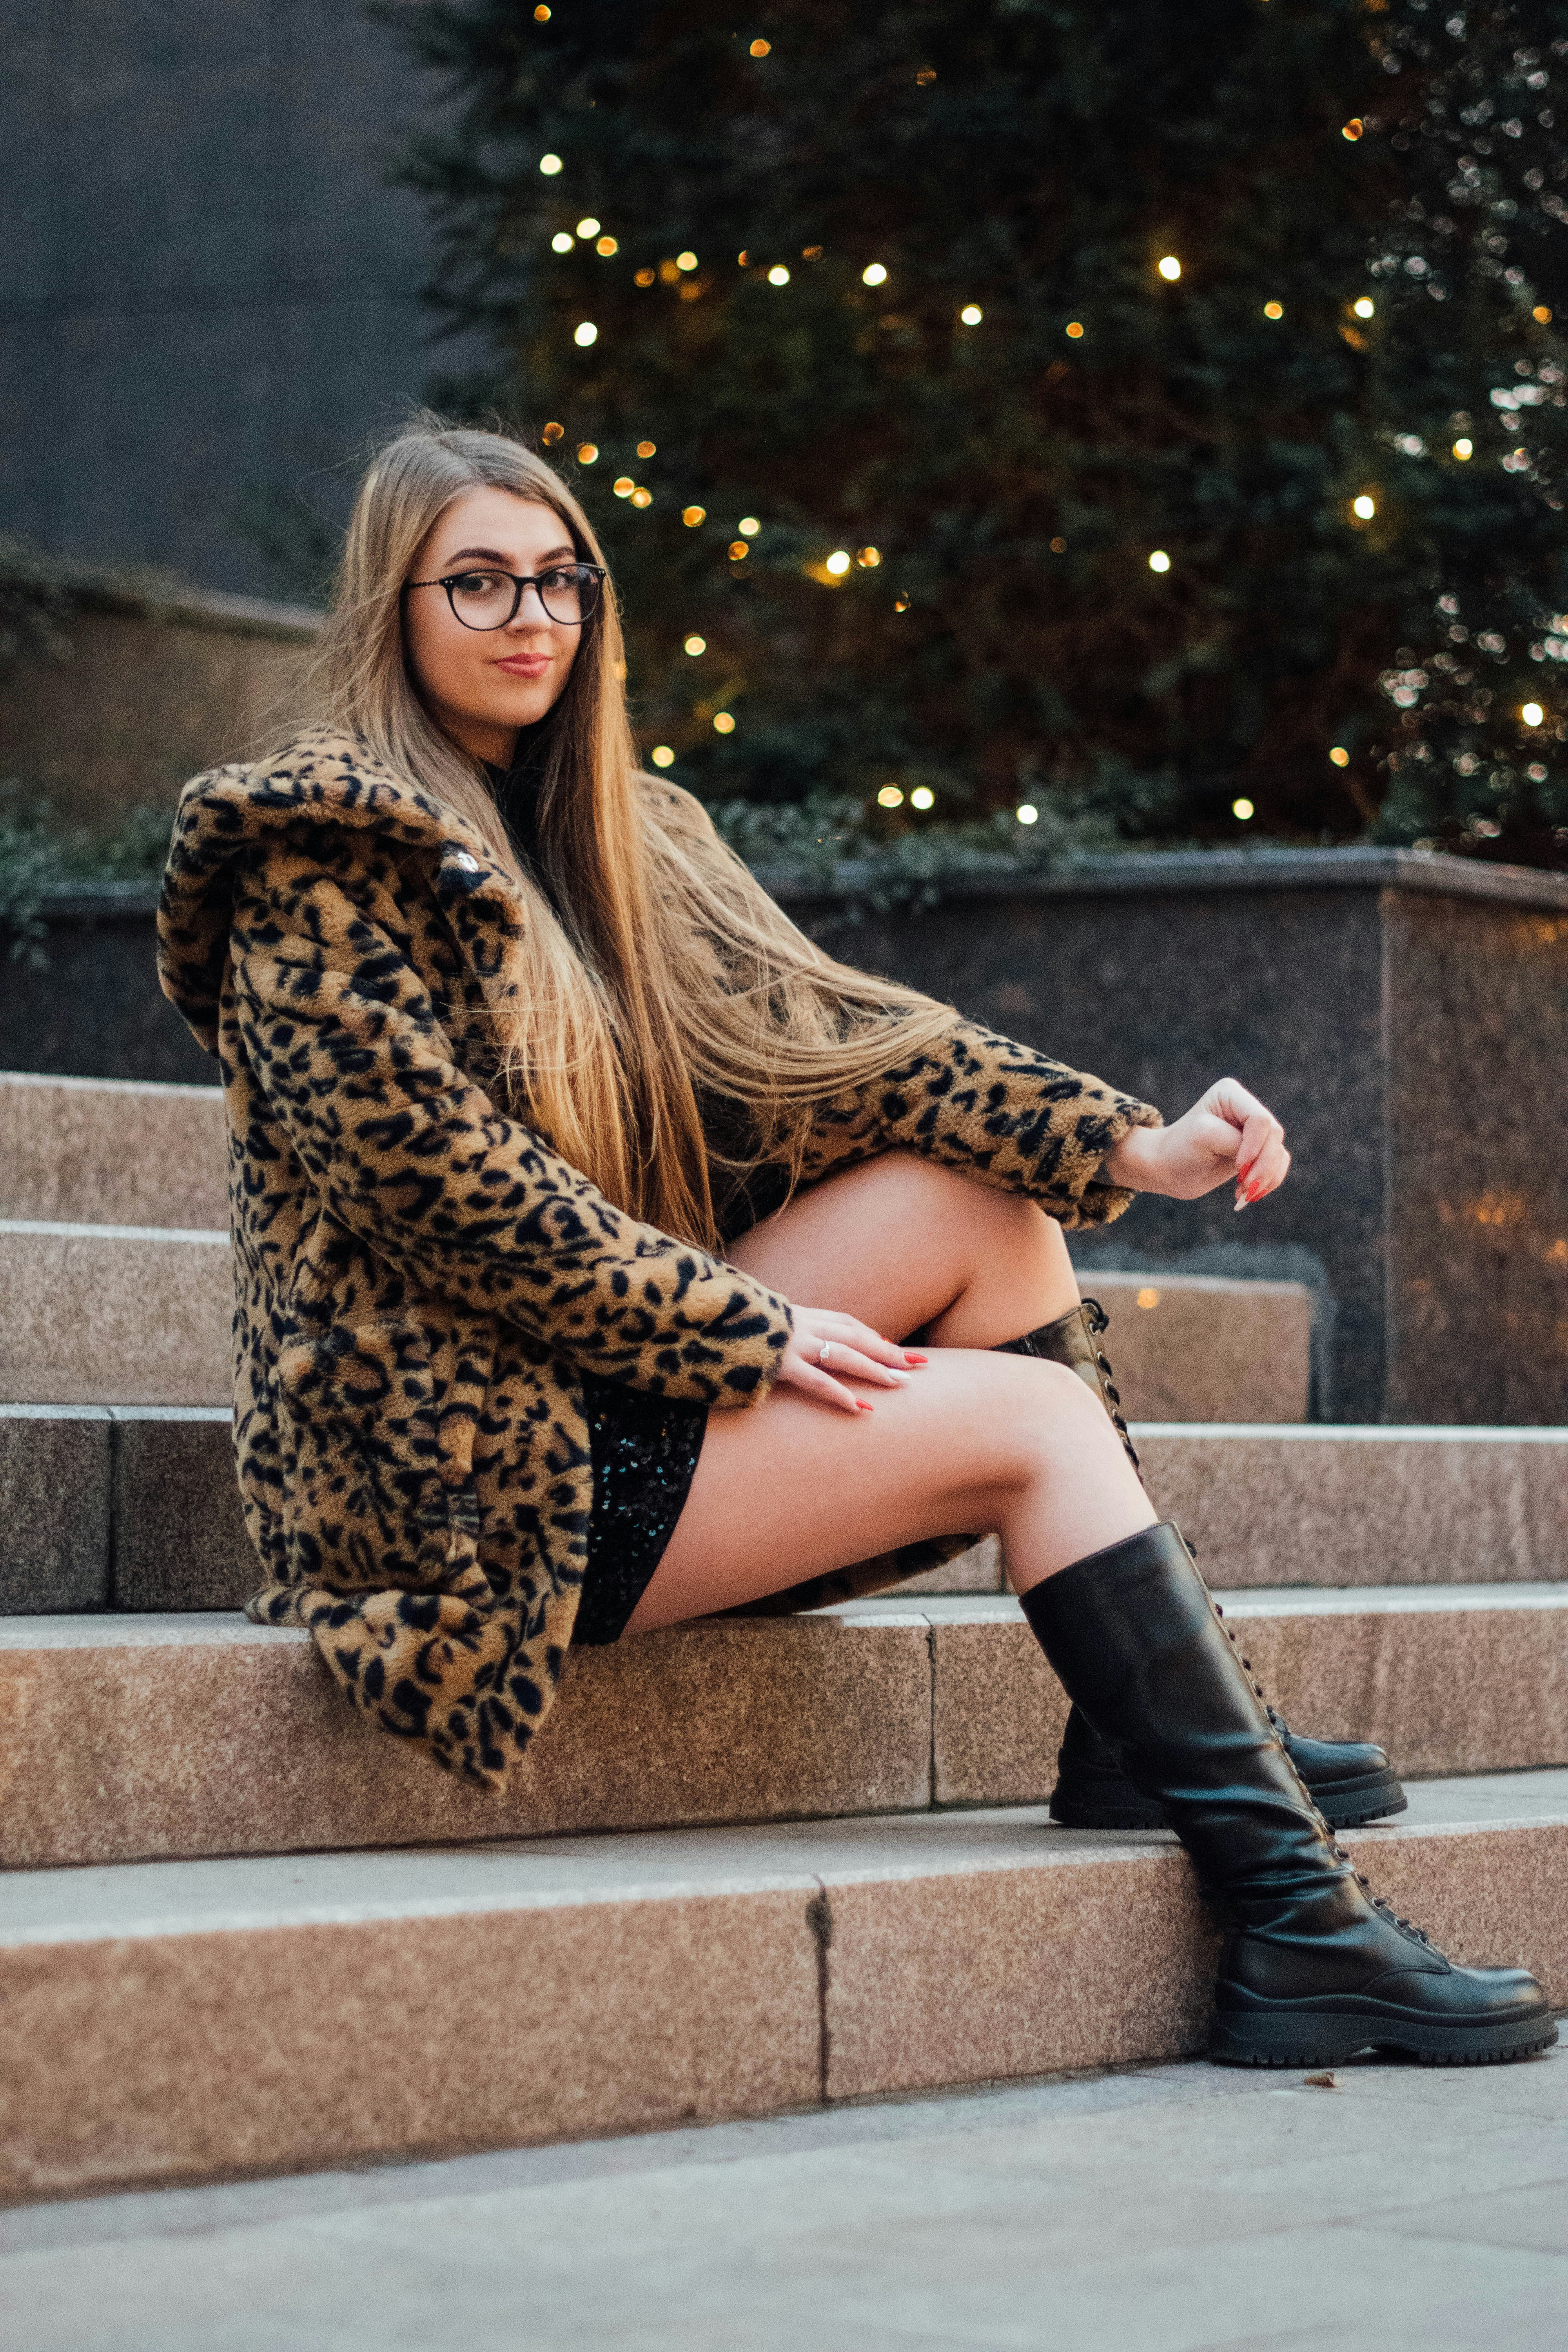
421 1281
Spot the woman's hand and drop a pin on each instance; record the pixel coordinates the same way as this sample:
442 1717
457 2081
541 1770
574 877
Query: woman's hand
1228 1134
852 1348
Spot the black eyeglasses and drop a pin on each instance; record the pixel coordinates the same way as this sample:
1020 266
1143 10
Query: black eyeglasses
569 594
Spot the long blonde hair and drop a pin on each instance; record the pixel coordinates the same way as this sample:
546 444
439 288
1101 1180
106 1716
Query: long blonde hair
671 979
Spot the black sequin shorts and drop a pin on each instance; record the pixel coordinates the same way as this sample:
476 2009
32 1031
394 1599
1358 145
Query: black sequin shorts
644 1451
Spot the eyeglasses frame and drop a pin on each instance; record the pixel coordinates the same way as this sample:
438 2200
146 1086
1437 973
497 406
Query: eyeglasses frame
520 581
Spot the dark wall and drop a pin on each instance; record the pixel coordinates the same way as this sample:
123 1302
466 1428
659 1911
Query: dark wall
90 1007
1478 1291
1162 994
207 290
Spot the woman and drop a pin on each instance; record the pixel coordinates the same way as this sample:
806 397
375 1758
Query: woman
544 1125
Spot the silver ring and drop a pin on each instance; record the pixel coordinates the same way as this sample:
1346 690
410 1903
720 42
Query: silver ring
822 1352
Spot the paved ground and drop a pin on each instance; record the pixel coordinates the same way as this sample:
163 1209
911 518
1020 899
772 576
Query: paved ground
1179 2209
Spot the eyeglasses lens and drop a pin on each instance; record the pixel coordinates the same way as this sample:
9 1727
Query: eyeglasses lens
485 600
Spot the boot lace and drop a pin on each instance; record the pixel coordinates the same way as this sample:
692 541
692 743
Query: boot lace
1097 1320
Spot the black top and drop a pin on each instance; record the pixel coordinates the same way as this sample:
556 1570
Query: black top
515 791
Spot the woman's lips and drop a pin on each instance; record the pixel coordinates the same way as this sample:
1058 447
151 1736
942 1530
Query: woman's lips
524 665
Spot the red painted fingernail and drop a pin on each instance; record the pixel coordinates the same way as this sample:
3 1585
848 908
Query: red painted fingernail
910 1358
861 1406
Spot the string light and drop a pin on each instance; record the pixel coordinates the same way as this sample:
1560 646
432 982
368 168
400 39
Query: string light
972 314
553 432
1159 560
778 275
1059 547
1364 307
542 13
563 241
874 275
749 526
623 486
837 563
1075 329
1243 809
811 253
901 603
695 645
761 48
1170 267
1464 447
867 558
645 278
641 497
686 260
737 548
1531 713
1541 314
1364 508
723 722
1027 813
662 756
587 452
606 246
1339 756
586 333
550 165
1354 127
647 449
692 516
890 797
923 797
587 226
1274 310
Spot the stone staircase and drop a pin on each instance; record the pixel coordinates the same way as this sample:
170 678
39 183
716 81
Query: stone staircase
752 1865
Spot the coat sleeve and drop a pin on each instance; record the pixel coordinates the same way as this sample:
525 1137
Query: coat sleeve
416 1160
996 1111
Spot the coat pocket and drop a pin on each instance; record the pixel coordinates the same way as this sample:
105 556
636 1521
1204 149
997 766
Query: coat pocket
377 1423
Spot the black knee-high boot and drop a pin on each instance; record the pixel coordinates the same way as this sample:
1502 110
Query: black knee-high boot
1351 1780
1313 1968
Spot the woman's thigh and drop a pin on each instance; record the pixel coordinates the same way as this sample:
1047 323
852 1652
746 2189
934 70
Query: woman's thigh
977 1444
909 1246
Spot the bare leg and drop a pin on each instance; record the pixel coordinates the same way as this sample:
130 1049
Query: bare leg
976 1441
913 1248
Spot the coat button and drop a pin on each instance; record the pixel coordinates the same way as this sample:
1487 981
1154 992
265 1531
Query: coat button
470 865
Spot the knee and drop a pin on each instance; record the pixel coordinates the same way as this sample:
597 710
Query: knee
1050 1417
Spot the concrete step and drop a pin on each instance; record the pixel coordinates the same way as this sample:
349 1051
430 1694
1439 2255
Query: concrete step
132 1738
110 1151
174 2020
1327 1505
100 1314
114 1313
136 1507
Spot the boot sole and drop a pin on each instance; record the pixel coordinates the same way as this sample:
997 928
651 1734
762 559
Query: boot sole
1345 1808
1300 2040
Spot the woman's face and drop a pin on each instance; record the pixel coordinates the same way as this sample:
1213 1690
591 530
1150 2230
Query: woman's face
482 684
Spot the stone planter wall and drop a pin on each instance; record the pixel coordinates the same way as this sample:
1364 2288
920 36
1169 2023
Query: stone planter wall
1406 1016
148 693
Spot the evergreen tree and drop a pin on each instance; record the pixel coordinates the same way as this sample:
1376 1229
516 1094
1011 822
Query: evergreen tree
981 389
1467 362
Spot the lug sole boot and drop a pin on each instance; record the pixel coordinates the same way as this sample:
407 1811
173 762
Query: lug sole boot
1351 1780
1314 1969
